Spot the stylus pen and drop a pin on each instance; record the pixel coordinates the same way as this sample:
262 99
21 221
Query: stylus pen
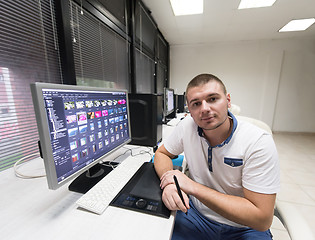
179 191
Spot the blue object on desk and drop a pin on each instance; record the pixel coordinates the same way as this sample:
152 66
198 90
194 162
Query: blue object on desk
177 161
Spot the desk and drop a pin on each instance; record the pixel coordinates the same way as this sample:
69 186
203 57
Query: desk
168 128
29 210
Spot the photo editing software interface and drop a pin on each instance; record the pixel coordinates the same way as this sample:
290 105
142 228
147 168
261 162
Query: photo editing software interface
84 125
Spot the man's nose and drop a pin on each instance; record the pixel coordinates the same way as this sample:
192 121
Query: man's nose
205 106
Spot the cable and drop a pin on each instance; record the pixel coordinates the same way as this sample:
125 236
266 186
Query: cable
21 175
141 152
109 163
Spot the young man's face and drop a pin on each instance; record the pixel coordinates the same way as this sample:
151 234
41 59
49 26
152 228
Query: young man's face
208 105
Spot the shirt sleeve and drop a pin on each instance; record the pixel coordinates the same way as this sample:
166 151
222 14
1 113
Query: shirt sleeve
261 172
174 142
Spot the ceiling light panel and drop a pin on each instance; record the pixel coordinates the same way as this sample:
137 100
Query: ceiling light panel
187 7
298 25
255 3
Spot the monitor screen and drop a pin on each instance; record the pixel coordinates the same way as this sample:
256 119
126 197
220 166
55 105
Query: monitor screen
168 101
78 126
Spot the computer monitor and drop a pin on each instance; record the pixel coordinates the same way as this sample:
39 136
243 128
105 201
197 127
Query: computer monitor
77 127
169 105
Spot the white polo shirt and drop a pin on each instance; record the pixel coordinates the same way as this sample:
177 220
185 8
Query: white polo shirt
247 158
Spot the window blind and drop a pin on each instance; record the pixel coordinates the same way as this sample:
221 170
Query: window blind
162 51
145 70
100 54
161 77
117 8
28 53
145 29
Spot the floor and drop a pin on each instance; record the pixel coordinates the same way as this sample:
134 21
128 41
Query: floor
297 163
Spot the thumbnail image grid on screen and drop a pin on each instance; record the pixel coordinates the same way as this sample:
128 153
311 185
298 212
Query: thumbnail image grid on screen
84 126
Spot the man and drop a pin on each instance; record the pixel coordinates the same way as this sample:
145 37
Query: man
233 168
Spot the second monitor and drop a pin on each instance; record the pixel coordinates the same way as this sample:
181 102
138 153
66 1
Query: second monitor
169 104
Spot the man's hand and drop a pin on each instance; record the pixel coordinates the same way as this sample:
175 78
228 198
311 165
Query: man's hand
170 195
186 184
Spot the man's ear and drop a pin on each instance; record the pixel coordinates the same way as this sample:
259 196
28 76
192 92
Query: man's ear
228 97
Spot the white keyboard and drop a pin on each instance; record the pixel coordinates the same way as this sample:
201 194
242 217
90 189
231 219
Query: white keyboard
99 197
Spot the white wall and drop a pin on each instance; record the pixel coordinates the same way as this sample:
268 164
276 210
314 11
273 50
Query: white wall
271 80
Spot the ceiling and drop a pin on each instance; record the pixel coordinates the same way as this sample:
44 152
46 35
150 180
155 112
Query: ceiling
222 21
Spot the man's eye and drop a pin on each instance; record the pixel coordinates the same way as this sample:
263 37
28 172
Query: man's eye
212 99
195 104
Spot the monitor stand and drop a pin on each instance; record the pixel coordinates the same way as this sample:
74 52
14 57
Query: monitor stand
89 178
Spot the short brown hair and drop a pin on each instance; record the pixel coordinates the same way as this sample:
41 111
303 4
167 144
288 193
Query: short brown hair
204 78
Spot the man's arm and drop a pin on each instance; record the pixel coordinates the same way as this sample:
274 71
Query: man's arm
254 209
163 164
163 161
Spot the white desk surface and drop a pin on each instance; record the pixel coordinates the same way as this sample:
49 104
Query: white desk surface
167 128
29 210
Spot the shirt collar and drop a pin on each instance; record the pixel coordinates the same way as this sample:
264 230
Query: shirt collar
234 121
